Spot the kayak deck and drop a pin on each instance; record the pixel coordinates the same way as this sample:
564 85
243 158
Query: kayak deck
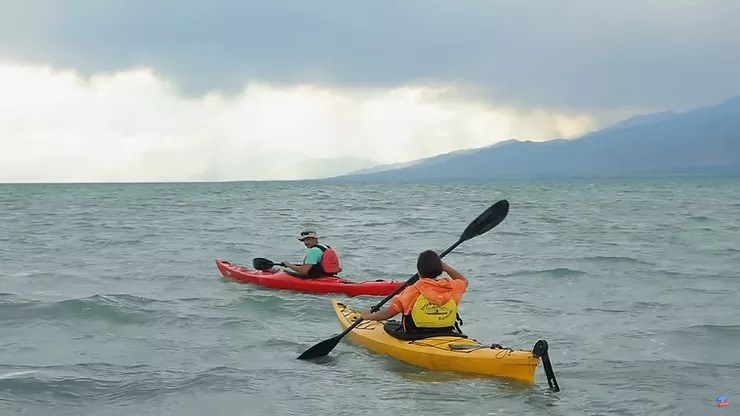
441 353
278 279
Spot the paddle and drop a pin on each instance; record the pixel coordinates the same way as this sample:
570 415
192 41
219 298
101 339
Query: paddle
484 223
260 263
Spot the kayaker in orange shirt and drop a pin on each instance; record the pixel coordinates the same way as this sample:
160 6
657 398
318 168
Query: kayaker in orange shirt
429 304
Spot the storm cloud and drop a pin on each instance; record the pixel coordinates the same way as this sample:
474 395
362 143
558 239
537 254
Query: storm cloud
579 55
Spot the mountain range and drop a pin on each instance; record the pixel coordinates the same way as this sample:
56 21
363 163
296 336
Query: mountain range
704 141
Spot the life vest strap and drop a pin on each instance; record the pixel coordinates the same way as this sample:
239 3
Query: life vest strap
458 322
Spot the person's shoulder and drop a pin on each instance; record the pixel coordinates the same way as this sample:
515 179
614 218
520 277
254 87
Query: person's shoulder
406 295
315 249
459 284
409 290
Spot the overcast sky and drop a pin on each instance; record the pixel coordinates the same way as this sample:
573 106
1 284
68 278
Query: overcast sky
221 90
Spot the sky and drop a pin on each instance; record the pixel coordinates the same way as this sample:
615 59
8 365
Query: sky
251 90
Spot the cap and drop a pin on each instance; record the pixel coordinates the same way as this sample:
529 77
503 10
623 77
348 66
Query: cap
308 234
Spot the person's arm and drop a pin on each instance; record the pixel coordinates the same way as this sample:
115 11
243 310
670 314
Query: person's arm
312 257
302 268
454 274
388 312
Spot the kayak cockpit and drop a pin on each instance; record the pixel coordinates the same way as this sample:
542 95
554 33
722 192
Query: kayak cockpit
394 329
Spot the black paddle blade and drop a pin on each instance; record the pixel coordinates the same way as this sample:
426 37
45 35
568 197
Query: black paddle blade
321 349
487 220
260 263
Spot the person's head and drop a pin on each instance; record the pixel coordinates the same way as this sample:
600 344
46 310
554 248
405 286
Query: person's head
309 238
429 265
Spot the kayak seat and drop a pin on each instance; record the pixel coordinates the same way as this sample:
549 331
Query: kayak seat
394 329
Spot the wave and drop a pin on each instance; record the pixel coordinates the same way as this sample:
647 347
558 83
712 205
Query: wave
110 383
114 308
10 298
710 331
558 272
616 259
607 310
513 233
525 307
120 309
371 224
699 218
646 306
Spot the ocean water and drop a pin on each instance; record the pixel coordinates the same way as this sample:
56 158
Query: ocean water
111 304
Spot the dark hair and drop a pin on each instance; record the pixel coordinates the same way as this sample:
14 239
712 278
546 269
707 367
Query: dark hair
429 264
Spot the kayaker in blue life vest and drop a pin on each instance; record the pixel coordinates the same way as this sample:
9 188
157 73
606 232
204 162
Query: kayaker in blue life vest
320 260
431 303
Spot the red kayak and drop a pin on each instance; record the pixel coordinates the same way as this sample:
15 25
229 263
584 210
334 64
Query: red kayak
278 279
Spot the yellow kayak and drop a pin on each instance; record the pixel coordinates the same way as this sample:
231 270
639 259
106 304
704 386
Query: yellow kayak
444 352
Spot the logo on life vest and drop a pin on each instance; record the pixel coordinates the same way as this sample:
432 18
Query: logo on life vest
440 312
429 315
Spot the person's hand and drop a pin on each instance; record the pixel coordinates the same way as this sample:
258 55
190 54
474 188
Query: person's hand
285 264
365 314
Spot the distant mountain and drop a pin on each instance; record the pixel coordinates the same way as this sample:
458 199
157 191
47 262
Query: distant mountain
429 160
640 120
381 168
702 141
330 167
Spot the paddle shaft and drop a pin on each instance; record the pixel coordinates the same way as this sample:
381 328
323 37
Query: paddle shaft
397 291
267 263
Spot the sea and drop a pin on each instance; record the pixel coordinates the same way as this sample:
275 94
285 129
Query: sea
111 302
